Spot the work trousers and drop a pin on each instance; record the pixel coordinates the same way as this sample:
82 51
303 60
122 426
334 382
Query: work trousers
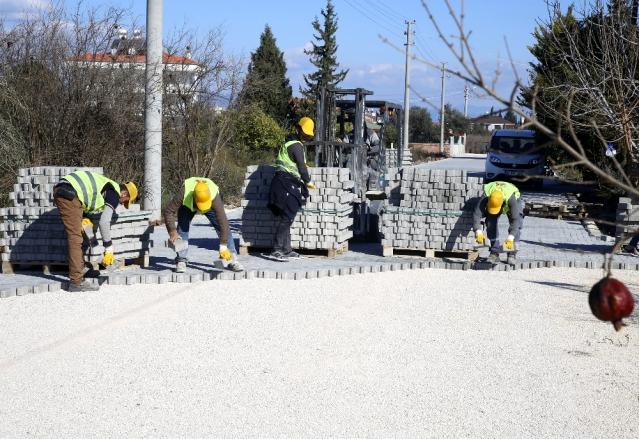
71 214
492 231
184 218
282 241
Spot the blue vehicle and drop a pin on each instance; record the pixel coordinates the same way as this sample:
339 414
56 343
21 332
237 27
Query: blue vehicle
515 155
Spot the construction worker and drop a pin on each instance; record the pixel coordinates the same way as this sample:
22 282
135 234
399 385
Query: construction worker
289 188
199 195
499 197
84 192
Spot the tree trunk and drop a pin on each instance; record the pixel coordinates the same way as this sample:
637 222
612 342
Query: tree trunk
635 8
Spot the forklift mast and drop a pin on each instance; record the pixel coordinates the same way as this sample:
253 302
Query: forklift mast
335 108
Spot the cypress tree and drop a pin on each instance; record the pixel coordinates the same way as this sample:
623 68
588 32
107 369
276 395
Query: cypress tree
266 84
323 54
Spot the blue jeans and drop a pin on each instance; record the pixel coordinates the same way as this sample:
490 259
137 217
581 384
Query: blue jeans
185 216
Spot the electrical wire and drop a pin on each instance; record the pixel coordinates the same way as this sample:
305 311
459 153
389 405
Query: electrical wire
369 17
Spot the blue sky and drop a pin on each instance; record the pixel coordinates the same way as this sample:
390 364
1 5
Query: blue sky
372 63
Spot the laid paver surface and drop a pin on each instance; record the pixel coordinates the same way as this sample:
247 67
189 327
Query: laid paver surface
428 353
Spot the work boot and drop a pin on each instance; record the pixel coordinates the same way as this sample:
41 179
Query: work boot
235 266
85 285
292 255
278 256
180 267
511 259
493 258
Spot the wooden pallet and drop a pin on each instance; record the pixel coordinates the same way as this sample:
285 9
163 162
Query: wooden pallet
9 267
469 255
329 253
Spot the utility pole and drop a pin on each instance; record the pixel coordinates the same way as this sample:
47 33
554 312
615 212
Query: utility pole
466 94
442 115
153 109
404 144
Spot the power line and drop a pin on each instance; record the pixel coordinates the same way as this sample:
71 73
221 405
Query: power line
365 14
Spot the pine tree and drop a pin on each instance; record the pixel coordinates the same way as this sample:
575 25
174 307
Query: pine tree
266 84
323 54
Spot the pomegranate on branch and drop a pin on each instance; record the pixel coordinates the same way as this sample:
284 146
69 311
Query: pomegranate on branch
611 301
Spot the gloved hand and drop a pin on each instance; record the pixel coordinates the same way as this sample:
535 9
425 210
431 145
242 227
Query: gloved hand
479 237
173 236
510 243
225 253
311 185
87 229
108 258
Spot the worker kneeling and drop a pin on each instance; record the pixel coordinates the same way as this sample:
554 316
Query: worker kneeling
84 192
499 197
199 195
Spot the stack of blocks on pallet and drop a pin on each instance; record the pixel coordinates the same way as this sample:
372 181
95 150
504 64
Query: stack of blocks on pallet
324 222
391 158
627 218
32 232
430 209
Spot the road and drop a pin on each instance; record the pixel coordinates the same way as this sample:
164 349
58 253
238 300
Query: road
426 353
473 163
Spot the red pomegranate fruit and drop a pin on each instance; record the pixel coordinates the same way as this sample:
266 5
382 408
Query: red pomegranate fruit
611 301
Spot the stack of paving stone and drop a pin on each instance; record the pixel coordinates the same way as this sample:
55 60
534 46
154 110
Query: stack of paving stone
324 222
554 206
32 232
434 211
391 158
627 218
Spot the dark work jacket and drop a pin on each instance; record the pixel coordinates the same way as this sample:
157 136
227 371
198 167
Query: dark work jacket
287 194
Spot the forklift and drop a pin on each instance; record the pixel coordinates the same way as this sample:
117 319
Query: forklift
335 148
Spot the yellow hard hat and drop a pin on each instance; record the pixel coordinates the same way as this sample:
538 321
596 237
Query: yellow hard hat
202 196
495 202
307 125
133 192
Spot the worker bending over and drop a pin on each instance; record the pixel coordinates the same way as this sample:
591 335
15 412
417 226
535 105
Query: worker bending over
199 195
499 197
84 192
289 188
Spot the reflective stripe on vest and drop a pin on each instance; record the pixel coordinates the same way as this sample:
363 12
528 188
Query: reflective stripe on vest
508 189
284 161
89 187
189 187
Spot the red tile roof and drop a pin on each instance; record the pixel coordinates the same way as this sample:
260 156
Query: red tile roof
107 57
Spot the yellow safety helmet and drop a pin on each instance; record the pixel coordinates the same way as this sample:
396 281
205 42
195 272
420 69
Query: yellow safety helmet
307 125
495 201
132 189
202 196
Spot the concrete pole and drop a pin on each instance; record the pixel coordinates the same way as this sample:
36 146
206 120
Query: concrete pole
404 144
466 94
442 115
153 110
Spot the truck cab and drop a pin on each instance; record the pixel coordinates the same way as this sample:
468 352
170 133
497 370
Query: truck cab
515 154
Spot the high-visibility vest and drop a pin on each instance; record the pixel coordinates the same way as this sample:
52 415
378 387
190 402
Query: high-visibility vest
508 189
189 187
89 187
285 163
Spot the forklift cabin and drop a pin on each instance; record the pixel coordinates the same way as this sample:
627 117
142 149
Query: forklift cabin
336 108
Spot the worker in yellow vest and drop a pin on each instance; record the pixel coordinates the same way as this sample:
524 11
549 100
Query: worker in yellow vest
289 188
84 192
500 197
199 195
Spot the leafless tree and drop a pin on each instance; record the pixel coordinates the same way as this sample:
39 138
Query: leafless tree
608 79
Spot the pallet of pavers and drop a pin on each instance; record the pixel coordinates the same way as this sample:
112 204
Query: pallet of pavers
434 214
323 225
34 235
627 218
554 206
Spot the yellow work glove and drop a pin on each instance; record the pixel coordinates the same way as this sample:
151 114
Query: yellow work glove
311 185
479 237
225 253
510 243
86 222
108 258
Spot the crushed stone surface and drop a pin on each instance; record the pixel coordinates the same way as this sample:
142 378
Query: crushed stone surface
425 353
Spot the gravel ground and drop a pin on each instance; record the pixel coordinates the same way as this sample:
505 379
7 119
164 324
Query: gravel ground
402 354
